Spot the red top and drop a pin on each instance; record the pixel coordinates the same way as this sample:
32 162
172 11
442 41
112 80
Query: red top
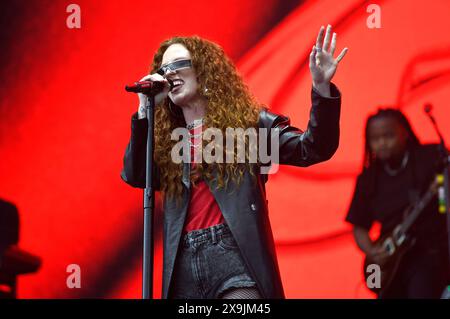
203 211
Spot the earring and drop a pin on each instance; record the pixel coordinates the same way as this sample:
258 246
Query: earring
205 90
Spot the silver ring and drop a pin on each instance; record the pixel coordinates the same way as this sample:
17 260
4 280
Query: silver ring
318 49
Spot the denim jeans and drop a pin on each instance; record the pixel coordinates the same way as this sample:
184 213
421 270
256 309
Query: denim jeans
208 264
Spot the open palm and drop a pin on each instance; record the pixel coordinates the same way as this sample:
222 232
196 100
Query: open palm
322 64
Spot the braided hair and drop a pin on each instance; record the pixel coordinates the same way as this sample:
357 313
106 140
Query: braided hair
401 119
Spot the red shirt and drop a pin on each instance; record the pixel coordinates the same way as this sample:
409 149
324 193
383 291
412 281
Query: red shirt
203 211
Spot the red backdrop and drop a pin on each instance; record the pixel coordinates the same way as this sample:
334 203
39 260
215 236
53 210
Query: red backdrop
62 138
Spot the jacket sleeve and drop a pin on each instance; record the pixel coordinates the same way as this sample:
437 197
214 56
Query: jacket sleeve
320 140
133 172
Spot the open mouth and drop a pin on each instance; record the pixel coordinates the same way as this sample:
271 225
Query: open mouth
176 84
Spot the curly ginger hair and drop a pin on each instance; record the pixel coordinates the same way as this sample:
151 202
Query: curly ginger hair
229 104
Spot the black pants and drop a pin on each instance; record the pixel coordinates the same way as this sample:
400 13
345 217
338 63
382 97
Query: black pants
423 273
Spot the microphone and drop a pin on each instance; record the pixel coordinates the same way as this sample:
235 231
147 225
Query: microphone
148 87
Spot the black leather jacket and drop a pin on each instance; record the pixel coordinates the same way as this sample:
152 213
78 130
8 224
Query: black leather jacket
245 207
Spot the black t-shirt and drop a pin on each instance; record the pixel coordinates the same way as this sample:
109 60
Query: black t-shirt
381 197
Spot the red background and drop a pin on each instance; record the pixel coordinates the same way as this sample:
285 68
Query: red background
64 129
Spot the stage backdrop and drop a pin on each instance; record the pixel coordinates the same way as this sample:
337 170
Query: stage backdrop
65 122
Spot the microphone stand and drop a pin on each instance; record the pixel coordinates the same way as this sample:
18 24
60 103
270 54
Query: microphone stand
150 89
444 164
149 205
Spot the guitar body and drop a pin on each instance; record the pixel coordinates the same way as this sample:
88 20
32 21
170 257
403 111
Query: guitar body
396 245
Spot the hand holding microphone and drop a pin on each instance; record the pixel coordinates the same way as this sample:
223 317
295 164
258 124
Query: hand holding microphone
154 84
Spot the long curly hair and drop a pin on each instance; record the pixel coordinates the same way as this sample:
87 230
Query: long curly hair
229 104
371 163
397 115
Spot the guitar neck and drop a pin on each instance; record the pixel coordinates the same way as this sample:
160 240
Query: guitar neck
419 206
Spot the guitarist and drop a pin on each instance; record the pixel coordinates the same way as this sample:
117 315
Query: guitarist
397 170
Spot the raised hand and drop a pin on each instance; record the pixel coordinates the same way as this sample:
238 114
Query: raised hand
322 64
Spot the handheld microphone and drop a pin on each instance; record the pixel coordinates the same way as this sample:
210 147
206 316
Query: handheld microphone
148 87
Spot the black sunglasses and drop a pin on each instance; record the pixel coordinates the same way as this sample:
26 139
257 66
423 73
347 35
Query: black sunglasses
177 65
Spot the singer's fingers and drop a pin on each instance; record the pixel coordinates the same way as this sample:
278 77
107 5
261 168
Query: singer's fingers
320 38
153 77
312 57
326 41
146 77
340 56
333 44
157 77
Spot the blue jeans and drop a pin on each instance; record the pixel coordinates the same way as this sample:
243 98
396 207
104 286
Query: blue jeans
208 264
